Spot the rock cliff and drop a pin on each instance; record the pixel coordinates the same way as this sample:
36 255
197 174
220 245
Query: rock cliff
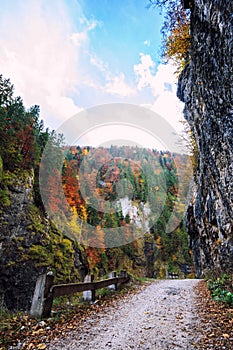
206 87
29 245
16 198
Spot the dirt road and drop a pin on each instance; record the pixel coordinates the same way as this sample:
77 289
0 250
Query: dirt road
161 316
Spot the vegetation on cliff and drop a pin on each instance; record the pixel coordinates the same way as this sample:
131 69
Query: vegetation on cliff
175 30
29 243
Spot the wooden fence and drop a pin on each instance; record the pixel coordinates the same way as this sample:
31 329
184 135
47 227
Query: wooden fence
46 291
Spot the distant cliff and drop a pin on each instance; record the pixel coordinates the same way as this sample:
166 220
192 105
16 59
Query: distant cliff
206 87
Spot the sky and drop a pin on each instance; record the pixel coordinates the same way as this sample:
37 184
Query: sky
72 55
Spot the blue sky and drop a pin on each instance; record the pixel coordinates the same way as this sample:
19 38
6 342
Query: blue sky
70 55
125 29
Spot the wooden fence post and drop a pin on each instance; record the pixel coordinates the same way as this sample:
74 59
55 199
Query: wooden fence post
88 295
93 290
123 273
113 286
48 297
42 298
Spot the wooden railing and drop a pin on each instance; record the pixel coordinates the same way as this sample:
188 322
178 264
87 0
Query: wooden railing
46 291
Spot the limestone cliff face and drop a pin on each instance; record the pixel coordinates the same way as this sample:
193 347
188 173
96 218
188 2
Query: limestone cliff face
28 244
17 276
206 87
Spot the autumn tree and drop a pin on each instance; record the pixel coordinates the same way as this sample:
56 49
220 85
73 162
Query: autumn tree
97 248
22 138
175 30
151 178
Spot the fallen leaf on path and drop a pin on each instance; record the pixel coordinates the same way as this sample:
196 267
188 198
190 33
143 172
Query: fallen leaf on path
41 346
215 321
226 336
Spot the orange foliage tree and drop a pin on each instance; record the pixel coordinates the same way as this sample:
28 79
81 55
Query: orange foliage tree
95 251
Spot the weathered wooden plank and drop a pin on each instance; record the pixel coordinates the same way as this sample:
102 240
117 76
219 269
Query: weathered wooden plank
105 283
38 297
71 288
113 286
48 302
109 281
87 294
123 279
42 299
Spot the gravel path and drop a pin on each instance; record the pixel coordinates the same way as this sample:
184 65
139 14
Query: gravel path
161 316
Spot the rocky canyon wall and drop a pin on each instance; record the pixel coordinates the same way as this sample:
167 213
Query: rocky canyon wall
206 87
29 245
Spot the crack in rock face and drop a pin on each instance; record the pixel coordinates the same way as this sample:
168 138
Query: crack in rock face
206 88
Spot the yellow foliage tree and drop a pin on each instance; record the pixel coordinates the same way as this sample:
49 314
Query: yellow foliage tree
175 31
177 45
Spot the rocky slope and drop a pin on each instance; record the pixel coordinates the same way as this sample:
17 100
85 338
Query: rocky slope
206 87
29 245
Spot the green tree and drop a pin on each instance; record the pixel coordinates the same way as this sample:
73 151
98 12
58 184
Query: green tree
22 138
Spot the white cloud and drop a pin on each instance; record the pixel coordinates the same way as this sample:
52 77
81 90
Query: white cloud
163 85
98 63
118 86
39 57
110 83
78 38
145 72
157 81
46 54
89 24
107 135
146 43
48 59
82 36
168 106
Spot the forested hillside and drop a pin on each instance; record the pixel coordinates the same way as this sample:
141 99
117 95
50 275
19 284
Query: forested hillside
136 189
125 203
